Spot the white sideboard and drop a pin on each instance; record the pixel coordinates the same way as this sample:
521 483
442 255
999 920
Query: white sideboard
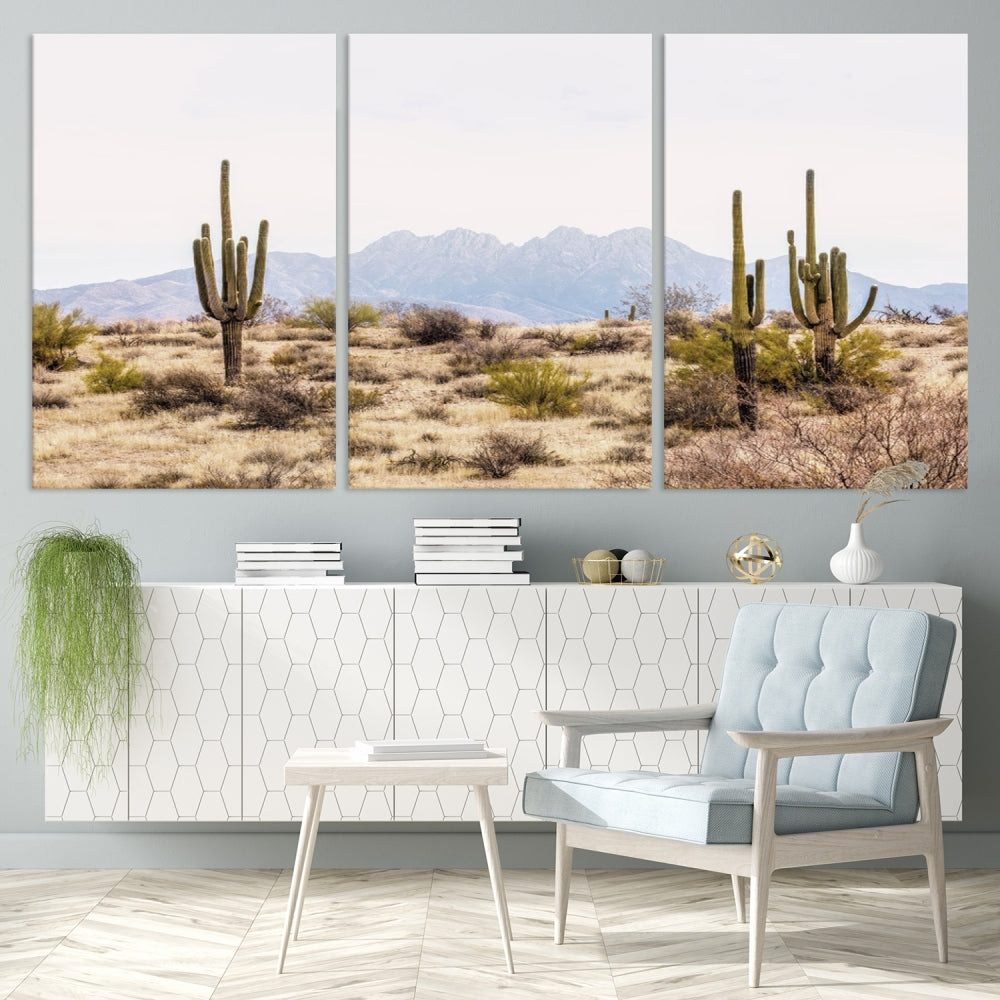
240 677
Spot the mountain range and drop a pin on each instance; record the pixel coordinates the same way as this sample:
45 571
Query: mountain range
565 276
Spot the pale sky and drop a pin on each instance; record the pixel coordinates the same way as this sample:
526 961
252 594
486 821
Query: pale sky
129 132
508 134
882 119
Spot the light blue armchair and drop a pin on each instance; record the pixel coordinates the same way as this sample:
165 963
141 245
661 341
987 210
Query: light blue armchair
818 751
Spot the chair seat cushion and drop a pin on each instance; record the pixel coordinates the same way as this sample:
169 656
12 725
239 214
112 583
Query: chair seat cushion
701 810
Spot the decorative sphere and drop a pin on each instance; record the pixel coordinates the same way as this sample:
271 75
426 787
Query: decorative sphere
637 566
619 554
600 566
754 558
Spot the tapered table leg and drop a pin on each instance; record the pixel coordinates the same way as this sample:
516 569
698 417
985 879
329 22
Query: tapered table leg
496 872
307 865
314 797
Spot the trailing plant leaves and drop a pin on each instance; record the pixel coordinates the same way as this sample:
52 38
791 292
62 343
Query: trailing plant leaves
78 644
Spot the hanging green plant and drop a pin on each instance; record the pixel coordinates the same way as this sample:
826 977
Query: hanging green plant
79 642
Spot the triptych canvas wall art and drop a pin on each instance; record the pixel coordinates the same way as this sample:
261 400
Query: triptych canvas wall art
502 309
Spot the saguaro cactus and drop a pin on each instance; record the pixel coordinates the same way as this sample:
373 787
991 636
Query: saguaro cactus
823 306
236 303
747 313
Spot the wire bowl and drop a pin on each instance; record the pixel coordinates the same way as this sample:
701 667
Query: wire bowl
608 572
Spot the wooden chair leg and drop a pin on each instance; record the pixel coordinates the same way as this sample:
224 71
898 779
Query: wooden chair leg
564 866
939 910
760 887
740 897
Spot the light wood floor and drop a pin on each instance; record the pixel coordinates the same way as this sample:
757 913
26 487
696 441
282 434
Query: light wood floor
425 935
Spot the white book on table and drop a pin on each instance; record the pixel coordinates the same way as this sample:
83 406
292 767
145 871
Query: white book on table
467 530
474 579
421 755
466 522
317 566
289 581
461 566
288 547
306 558
454 552
466 541
439 743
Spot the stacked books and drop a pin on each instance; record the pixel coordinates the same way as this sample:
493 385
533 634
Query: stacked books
467 550
274 564
441 749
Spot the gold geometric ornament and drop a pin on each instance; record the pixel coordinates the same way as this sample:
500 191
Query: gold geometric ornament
754 558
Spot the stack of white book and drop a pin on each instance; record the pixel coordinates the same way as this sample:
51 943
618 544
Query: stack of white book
434 749
467 550
282 564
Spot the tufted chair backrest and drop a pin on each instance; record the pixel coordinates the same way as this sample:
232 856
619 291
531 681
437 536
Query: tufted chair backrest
794 667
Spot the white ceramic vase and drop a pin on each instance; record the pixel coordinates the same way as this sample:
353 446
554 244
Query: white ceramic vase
856 563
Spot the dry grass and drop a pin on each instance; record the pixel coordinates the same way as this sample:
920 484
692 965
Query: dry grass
434 413
105 442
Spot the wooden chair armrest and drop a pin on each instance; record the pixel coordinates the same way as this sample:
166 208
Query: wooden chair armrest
632 720
871 739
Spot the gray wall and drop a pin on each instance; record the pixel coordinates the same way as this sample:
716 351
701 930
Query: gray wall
188 536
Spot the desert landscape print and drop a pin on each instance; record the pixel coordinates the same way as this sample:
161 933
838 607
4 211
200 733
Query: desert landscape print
816 305
168 351
500 328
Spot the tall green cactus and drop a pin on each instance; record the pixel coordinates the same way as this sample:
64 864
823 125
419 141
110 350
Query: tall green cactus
823 307
747 313
236 303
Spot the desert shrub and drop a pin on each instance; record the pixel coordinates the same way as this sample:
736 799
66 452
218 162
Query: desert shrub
162 479
363 370
278 401
625 477
703 347
54 335
910 363
554 337
535 390
272 311
613 322
607 340
432 411
782 363
124 331
112 375
47 399
625 454
359 399
860 357
427 325
489 328
319 310
473 354
700 400
207 332
177 388
433 461
798 449
499 453
362 314
264 469
959 366
381 443
292 355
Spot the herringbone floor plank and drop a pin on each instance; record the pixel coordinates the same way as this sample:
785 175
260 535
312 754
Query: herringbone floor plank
631 934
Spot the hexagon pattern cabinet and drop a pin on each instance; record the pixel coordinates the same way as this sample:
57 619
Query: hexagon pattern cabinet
317 673
624 647
470 661
240 677
184 735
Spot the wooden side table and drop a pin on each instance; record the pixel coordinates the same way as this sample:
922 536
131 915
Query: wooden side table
318 768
